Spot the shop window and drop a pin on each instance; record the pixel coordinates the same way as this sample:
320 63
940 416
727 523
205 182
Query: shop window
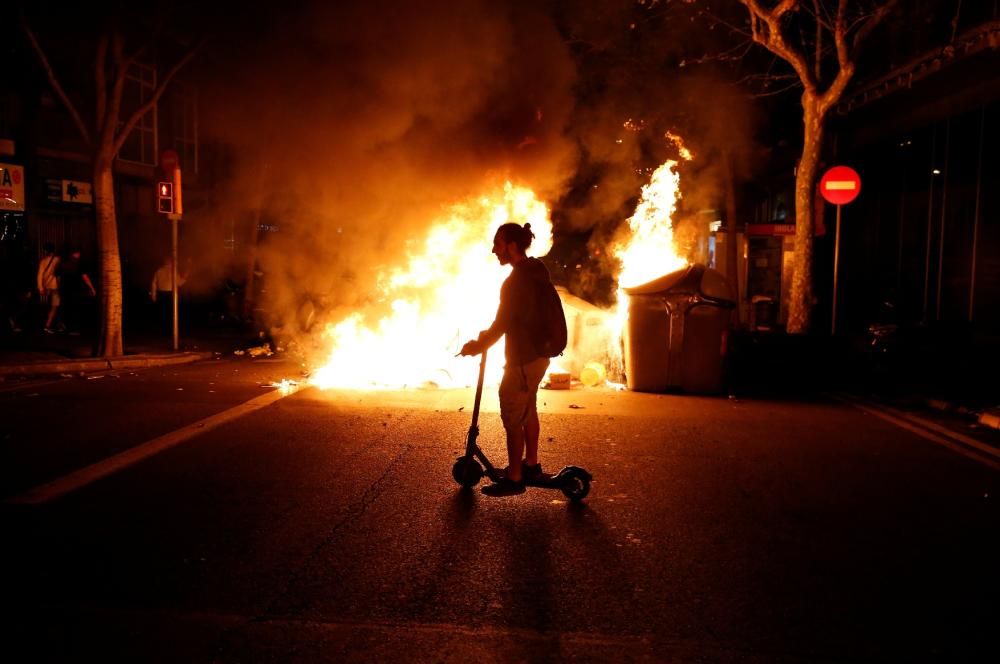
184 125
141 144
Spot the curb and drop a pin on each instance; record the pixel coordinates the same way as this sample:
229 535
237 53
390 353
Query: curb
46 367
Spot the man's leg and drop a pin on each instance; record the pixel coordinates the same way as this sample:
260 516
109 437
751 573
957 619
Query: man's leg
531 432
53 306
513 406
533 374
515 448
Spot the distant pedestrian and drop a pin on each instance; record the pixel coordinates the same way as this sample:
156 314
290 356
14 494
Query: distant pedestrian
48 283
161 292
76 290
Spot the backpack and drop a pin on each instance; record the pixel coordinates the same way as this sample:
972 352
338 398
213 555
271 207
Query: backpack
550 327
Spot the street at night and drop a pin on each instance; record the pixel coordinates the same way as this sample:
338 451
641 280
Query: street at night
500 331
326 527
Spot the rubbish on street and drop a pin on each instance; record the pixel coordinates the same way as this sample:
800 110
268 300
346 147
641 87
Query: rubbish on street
264 350
593 374
558 381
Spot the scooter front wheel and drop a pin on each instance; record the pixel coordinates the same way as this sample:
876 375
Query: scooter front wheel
467 471
575 484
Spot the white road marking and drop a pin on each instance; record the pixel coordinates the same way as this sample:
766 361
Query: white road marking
80 478
954 441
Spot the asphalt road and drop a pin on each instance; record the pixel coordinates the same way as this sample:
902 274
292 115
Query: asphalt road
325 526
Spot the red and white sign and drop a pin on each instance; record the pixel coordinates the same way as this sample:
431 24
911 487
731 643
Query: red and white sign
168 162
12 187
840 185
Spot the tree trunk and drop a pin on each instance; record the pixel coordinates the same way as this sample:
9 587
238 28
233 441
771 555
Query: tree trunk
110 342
801 299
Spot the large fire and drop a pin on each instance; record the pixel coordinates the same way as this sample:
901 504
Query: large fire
444 295
447 290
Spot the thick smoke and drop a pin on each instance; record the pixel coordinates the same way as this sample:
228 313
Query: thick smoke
623 138
355 126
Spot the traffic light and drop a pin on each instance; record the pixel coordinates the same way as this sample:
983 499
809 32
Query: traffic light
165 197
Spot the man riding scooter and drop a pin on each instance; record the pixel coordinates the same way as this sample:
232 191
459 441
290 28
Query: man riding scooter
518 318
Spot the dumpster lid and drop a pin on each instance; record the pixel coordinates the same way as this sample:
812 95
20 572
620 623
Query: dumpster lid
694 279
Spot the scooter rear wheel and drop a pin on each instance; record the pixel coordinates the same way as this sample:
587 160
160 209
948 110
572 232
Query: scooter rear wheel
467 471
575 485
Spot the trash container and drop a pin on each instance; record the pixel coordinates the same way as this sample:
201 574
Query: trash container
675 338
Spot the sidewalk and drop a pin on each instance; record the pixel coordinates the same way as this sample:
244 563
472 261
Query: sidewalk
953 379
30 354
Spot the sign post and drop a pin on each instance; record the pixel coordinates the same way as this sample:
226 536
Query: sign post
173 205
839 186
175 287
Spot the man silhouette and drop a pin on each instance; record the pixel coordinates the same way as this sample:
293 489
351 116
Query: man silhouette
517 319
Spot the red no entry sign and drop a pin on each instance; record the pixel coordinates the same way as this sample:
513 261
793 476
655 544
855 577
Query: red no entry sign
840 185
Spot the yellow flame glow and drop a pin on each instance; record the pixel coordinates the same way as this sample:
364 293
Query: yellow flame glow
447 292
648 251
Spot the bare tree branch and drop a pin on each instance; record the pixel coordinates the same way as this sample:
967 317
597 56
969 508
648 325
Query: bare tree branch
818 63
100 78
157 93
845 70
840 35
877 17
774 40
54 82
120 66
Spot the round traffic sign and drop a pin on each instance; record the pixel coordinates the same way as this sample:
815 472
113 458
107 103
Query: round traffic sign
840 185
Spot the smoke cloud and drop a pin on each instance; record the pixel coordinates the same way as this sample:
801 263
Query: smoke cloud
354 125
357 124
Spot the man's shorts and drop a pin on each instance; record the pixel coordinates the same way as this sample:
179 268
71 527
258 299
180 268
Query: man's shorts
51 298
518 390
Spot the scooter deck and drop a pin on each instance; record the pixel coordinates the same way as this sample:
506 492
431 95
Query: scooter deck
545 481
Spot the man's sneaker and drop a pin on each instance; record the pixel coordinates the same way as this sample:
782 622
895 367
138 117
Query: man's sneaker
504 487
48 330
531 473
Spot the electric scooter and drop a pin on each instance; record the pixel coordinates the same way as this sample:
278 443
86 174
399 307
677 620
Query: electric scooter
573 481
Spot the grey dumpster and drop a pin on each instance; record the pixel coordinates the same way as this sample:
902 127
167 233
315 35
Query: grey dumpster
675 338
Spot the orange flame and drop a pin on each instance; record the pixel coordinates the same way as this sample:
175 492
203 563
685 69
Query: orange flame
648 250
446 293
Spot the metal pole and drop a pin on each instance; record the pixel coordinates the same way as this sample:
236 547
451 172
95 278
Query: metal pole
930 226
975 227
836 264
173 277
944 212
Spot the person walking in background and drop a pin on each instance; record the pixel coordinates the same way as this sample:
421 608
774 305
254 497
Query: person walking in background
76 290
161 292
47 282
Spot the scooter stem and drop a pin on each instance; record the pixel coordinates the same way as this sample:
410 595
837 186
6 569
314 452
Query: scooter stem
479 391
